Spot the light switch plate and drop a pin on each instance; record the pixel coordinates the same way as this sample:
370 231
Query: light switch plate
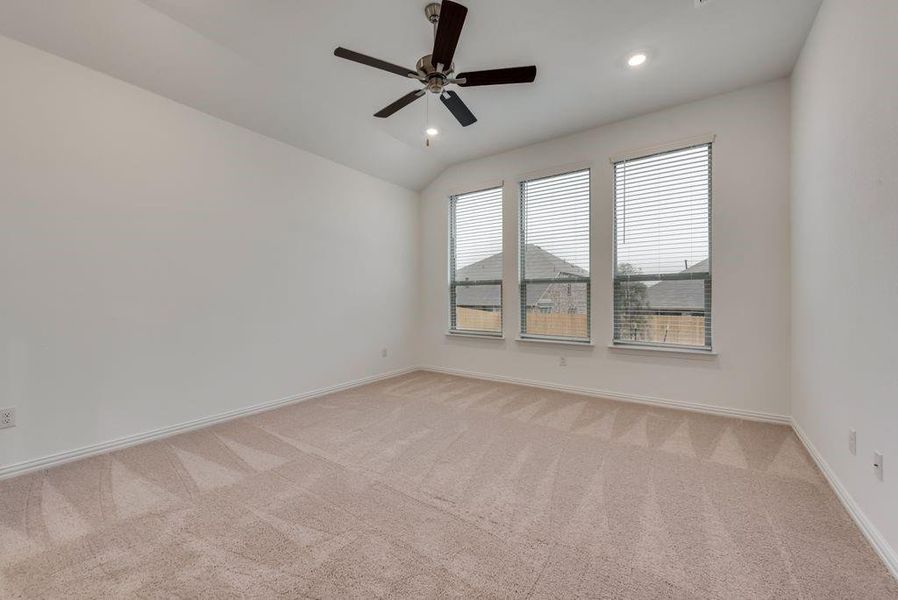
877 465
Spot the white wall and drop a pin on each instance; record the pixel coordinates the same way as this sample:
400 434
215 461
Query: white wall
750 264
845 248
159 265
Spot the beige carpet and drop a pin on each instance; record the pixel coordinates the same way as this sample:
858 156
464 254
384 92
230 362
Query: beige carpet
431 486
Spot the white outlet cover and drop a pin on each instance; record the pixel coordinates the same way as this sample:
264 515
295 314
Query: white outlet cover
7 417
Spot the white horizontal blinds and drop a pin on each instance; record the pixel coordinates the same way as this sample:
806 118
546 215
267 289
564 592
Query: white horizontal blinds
475 289
662 282
554 253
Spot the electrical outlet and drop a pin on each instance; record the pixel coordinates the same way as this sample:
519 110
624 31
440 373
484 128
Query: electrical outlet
384 352
852 441
7 417
562 361
877 465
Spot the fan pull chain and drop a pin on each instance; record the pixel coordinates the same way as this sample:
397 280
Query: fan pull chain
426 120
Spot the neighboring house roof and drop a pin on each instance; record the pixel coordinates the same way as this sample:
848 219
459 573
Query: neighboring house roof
686 295
683 294
540 265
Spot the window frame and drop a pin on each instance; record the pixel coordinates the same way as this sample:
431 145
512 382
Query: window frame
522 244
453 284
708 347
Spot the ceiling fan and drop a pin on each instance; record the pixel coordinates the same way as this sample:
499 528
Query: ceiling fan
435 70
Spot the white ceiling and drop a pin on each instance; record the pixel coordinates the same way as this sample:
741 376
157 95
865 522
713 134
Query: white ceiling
268 65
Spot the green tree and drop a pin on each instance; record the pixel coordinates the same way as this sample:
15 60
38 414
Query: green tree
631 302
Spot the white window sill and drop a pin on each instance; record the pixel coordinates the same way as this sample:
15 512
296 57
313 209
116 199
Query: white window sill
561 341
479 336
647 349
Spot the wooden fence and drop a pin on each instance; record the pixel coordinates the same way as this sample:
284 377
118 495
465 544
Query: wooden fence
672 329
477 320
557 324
538 323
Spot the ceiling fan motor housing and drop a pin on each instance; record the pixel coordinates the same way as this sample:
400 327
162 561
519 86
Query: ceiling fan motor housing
434 81
432 12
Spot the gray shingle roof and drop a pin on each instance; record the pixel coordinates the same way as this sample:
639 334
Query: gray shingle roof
665 295
540 265
679 295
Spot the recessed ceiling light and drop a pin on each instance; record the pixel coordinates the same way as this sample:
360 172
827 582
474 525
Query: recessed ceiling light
637 59
432 131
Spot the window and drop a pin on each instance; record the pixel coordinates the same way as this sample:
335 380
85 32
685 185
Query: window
555 257
662 264
475 262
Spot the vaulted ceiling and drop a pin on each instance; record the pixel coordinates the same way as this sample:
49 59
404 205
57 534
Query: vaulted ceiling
268 65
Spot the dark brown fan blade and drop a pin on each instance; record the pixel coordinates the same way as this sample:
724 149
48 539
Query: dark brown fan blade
374 62
458 108
498 76
401 103
452 18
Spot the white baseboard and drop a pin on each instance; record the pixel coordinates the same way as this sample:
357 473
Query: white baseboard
876 539
155 434
752 415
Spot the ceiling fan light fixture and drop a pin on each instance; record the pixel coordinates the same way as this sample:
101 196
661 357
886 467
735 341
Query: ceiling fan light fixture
637 59
432 131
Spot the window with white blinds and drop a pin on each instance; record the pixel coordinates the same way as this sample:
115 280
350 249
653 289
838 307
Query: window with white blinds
475 262
662 251
554 257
